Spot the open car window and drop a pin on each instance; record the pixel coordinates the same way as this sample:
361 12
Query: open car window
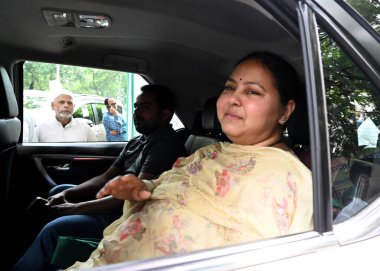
90 88
354 125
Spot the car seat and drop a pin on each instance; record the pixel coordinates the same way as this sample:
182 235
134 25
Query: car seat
298 131
210 131
10 129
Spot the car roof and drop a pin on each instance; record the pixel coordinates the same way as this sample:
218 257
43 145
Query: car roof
152 38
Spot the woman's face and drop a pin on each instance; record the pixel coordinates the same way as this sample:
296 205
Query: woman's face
249 108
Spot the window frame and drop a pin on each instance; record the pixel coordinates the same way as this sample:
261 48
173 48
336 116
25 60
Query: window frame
317 111
361 48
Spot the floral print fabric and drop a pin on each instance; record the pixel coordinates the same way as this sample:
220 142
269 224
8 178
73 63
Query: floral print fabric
223 194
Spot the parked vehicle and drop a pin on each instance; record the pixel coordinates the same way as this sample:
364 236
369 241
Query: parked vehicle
191 47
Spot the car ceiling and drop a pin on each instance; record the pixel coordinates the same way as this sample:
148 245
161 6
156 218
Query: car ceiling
188 45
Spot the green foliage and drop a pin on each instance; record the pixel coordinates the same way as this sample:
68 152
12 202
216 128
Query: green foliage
348 91
37 75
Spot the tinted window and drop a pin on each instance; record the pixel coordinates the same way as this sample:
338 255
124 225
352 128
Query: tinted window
354 121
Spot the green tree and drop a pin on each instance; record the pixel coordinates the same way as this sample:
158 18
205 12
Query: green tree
37 75
346 87
80 80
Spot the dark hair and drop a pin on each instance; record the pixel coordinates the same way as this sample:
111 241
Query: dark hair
164 96
106 101
284 74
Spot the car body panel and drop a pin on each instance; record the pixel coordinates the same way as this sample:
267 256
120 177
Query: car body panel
317 252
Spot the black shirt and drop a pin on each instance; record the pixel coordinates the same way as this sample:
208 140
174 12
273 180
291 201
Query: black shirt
152 154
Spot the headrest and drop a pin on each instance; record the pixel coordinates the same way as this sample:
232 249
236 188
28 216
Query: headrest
298 124
8 102
210 120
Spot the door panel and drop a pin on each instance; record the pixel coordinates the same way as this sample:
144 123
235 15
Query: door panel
73 169
46 165
37 168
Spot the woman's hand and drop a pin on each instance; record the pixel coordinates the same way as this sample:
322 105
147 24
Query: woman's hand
127 187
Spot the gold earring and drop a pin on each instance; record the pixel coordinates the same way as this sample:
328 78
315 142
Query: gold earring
283 120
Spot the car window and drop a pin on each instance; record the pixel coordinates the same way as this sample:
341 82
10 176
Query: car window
354 122
90 87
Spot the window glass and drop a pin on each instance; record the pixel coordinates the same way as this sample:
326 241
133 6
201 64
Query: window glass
89 87
369 10
354 122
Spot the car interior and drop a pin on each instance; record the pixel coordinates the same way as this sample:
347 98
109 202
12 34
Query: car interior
189 46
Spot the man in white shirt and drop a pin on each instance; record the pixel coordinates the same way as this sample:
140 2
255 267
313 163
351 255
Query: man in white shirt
63 127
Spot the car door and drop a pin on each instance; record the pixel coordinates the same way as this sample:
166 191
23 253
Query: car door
39 166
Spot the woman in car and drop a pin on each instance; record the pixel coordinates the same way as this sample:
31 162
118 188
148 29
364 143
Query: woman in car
225 193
